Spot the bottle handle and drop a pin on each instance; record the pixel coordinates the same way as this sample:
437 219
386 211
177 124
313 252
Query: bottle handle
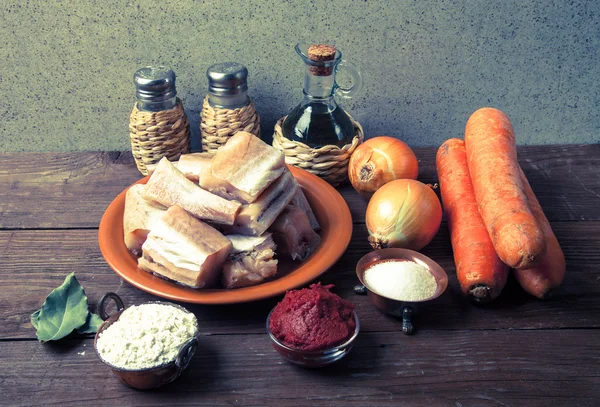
352 70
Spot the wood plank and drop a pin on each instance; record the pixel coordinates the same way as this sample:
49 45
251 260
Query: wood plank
72 190
61 190
35 262
459 368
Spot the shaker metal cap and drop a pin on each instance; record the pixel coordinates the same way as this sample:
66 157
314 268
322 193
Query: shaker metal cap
227 78
154 84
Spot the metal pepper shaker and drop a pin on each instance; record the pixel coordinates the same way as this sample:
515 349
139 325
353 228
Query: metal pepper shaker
227 108
158 125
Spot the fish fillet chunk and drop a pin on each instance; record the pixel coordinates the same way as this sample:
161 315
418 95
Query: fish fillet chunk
250 262
139 215
293 235
243 168
255 218
299 201
169 186
191 165
185 249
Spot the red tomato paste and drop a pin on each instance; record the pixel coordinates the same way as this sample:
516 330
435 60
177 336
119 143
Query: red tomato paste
312 319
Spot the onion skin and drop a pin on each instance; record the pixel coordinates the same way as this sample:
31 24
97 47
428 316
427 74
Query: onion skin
403 213
378 161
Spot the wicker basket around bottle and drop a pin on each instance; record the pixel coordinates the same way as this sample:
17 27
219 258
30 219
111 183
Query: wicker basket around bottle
218 125
328 162
155 135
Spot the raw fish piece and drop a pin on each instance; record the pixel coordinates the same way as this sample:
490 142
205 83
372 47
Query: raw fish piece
152 167
169 186
293 235
139 216
250 262
255 218
300 202
185 249
243 168
190 165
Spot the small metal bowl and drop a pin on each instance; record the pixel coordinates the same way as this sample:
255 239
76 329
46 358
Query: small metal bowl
152 377
313 359
394 307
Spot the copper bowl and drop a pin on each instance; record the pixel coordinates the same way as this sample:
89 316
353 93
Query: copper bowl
391 306
155 376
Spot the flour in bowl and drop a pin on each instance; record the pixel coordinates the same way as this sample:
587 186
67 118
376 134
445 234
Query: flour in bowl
145 336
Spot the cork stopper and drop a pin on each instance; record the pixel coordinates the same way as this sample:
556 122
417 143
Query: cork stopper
321 52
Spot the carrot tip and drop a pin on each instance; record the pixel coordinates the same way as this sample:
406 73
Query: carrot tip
480 294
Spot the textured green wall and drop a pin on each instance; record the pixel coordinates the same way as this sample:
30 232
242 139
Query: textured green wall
66 66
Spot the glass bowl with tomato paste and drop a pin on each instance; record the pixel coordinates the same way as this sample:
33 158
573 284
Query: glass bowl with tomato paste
313 327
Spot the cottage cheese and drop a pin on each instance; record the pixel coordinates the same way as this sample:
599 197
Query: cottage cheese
145 336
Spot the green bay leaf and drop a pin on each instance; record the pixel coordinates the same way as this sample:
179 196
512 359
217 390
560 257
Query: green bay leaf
92 324
65 309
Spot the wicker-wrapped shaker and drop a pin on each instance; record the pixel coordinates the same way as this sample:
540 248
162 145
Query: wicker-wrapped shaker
318 135
158 125
227 108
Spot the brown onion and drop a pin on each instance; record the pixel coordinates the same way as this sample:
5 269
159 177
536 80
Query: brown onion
378 161
403 213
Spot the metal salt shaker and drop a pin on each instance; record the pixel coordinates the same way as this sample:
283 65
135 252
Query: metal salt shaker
228 85
155 89
158 125
227 108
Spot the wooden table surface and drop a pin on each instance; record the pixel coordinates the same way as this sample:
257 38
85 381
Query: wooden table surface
519 351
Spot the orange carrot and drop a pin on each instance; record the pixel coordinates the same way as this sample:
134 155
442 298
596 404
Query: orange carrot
481 273
549 273
492 159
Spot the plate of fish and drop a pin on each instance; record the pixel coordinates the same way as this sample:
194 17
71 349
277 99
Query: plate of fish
235 227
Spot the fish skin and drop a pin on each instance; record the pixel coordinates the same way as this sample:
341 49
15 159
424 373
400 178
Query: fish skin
299 201
293 235
250 262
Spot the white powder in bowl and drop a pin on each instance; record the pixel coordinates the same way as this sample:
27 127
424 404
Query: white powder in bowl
401 280
146 335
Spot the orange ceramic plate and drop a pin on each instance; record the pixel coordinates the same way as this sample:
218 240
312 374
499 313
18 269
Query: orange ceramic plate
329 208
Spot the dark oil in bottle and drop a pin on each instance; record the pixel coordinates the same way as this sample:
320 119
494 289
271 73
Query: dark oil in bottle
318 125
